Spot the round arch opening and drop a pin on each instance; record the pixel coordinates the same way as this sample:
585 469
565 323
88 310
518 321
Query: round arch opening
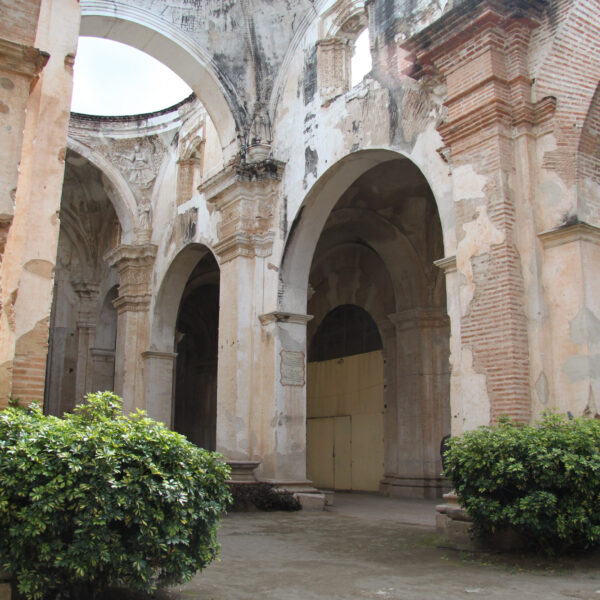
196 348
167 44
388 404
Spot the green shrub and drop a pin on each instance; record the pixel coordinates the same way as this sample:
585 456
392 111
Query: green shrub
100 499
543 480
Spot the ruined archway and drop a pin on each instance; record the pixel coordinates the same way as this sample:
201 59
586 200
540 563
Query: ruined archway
375 233
196 346
83 321
170 45
181 365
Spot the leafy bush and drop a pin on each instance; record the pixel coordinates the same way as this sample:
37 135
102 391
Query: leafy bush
262 496
99 499
543 480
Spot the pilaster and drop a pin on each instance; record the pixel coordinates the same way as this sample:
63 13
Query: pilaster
87 292
246 197
134 264
158 381
570 380
284 426
418 417
480 50
334 57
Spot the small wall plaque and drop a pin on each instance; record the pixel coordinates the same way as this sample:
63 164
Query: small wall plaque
292 368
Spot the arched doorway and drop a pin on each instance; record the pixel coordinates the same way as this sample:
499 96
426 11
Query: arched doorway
196 346
83 321
376 251
344 402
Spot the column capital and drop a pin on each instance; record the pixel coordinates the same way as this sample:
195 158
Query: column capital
284 317
134 264
246 197
567 234
24 60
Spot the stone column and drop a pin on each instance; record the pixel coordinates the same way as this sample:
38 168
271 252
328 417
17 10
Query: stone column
134 264
422 406
29 256
87 291
103 369
246 198
158 379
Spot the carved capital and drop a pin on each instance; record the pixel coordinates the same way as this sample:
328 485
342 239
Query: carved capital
246 198
134 264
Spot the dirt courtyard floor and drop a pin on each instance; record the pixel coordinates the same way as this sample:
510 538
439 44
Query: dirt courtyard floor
366 546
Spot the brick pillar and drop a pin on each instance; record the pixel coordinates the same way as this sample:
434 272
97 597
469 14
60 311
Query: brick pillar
480 50
26 274
134 264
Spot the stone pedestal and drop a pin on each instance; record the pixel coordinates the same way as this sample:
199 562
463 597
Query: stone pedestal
242 471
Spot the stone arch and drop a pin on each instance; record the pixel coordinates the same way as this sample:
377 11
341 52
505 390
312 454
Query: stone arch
368 235
552 79
170 290
588 164
118 191
181 364
311 217
143 30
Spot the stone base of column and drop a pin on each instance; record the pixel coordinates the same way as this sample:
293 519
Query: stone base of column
456 525
242 471
397 486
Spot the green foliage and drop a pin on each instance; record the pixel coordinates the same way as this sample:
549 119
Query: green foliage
541 480
99 499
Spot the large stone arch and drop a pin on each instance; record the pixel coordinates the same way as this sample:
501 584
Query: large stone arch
148 32
118 191
314 212
588 164
367 235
